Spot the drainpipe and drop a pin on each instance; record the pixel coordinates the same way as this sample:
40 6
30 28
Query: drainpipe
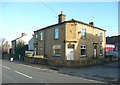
44 41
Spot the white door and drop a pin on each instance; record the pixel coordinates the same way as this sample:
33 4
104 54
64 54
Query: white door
70 54
95 53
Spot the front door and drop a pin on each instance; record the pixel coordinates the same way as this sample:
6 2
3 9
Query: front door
70 54
95 51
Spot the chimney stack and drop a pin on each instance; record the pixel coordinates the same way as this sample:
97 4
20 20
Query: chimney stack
61 17
91 23
22 34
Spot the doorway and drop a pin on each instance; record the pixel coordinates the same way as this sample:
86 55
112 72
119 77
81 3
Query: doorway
70 54
95 51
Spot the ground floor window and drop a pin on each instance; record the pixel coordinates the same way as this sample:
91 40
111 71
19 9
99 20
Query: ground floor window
83 50
101 49
56 50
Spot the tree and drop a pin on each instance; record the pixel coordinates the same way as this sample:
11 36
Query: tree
2 40
19 49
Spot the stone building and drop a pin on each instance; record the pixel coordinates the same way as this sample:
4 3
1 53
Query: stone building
70 40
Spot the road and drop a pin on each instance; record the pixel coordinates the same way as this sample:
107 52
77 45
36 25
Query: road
13 72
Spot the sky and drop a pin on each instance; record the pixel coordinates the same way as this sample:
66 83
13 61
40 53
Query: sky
27 17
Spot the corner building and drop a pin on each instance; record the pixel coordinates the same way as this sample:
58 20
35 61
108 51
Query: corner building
70 40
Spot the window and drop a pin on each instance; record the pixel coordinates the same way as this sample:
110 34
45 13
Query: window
101 49
57 51
56 33
36 36
41 35
83 50
83 33
101 37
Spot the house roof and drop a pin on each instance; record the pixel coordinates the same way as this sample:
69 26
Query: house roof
72 20
18 38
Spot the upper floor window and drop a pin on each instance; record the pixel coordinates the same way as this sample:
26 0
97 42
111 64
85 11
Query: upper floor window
56 33
36 35
41 35
83 35
101 37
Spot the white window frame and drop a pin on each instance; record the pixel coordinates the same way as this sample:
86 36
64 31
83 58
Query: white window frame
56 47
36 36
83 30
56 32
84 48
41 36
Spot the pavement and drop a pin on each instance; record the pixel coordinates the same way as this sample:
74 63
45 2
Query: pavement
107 72
104 73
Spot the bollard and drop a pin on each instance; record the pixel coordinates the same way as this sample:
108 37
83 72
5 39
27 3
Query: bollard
11 59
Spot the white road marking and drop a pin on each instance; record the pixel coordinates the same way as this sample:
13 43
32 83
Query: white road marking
91 80
62 74
6 67
34 67
23 74
30 66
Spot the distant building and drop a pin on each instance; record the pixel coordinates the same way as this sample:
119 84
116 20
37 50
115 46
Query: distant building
6 48
22 38
31 44
113 41
70 40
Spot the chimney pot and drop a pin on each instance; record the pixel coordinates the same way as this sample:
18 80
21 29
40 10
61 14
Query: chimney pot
91 23
22 34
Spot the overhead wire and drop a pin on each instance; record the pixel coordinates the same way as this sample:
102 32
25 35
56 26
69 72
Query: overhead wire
50 8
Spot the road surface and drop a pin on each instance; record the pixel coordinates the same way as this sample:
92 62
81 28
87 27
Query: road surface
13 72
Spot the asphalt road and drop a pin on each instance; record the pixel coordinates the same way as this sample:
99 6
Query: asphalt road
13 72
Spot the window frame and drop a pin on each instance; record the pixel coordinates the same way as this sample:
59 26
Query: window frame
56 47
56 33
41 36
101 36
83 47
36 36
83 33
55 51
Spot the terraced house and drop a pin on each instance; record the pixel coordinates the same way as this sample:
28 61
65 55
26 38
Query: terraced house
70 40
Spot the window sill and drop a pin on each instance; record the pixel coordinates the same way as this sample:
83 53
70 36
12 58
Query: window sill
82 56
56 55
83 38
56 39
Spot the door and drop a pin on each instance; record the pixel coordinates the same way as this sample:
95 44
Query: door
95 51
70 54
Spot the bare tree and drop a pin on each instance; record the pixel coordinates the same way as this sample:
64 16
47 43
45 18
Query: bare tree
2 41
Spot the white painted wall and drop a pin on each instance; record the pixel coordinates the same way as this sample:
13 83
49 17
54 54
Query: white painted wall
30 44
